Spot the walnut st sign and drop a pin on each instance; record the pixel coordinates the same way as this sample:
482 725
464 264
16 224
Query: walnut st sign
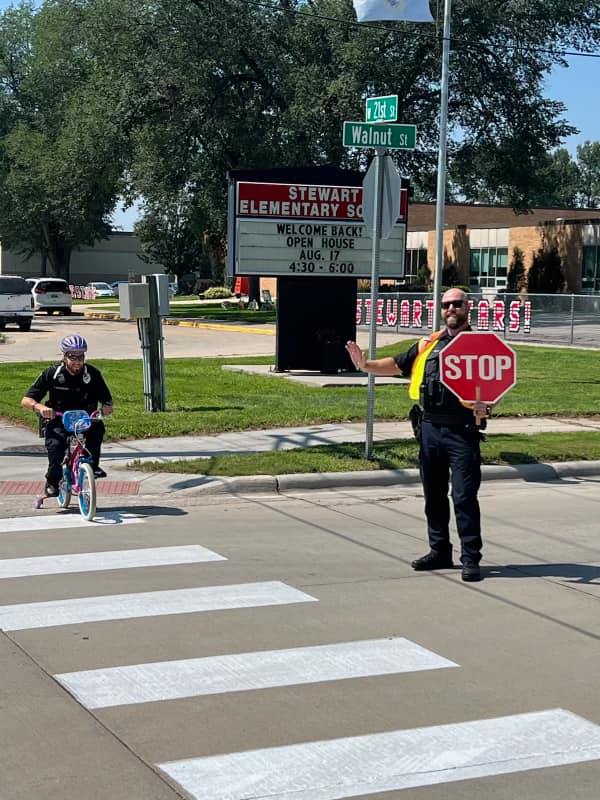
478 366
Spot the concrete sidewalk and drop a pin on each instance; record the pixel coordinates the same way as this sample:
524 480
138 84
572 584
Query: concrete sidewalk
23 457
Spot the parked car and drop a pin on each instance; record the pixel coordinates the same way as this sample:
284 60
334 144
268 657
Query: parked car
115 287
16 302
50 295
102 289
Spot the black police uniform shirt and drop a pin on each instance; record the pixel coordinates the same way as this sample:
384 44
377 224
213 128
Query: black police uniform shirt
69 392
439 404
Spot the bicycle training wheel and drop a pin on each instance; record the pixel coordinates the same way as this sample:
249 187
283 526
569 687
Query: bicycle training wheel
87 491
64 494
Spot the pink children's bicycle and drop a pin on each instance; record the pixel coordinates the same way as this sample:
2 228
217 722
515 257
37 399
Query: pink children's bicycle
78 474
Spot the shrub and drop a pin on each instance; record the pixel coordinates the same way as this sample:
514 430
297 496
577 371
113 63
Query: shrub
450 274
217 292
516 272
545 275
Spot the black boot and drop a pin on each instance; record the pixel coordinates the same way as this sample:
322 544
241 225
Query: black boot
471 572
433 560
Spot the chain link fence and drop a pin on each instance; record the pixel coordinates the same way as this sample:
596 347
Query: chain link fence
564 319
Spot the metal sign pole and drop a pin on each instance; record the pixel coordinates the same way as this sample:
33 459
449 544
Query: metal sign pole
379 156
144 342
441 176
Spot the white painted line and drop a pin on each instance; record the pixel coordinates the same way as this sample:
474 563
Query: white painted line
111 559
167 680
63 520
384 762
22 616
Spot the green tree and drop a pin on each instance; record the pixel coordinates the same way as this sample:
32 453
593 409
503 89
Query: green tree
60 171
516 279
557 181
588 161
170 236
217 87
545 275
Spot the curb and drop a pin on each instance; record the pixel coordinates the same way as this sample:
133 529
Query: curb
280 484
202 485
185 323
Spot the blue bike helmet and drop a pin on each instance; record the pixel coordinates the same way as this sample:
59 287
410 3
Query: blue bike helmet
73 344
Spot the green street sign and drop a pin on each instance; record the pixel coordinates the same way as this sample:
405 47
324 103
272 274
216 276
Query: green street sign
382 109
374 134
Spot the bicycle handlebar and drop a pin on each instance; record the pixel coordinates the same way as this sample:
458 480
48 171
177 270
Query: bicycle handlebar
96 415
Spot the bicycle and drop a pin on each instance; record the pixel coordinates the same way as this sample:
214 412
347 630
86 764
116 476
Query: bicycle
78 474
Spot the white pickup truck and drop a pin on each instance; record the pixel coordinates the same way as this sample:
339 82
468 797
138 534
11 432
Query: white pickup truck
16 302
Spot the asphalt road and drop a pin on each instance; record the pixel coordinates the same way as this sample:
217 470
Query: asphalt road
463 691
112 339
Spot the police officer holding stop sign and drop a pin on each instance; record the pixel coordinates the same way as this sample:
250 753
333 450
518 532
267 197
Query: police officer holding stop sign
448 432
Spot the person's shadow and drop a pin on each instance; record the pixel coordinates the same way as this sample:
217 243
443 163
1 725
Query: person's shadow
572 573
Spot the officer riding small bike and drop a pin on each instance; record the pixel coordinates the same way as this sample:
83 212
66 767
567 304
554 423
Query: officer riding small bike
70 384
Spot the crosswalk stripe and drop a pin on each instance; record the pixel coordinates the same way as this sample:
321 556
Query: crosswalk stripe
383 762
110 559
23 616
66 520
167 680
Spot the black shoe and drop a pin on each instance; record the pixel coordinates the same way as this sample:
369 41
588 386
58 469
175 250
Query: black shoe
50 490
99 472
433 560
471 572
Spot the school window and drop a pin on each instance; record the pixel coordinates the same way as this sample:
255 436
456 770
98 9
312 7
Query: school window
488 267
415 259
590 270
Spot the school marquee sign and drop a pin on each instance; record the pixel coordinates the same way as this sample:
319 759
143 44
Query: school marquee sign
308 229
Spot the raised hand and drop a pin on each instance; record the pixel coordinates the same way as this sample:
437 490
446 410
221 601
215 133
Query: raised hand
356 355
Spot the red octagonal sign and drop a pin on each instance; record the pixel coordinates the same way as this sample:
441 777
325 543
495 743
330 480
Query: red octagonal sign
478 366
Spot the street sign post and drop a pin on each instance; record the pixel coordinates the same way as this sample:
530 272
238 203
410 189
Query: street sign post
382 109
376 134
382 136
478 366
390 196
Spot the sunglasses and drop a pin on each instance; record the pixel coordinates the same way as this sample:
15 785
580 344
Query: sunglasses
456 303
75 356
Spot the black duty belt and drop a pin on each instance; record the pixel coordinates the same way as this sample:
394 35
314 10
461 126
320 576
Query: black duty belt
453 420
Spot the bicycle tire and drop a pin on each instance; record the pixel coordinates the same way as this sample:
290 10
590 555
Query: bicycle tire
64 495
87 492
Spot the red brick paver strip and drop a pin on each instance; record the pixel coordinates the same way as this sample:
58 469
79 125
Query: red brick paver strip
37 487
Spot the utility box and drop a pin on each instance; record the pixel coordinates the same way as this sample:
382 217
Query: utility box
134 300
162 292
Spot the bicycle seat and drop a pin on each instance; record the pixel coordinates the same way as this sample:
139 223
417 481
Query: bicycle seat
76 421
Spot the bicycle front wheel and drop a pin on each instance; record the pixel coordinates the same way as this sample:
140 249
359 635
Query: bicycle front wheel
64 494
87 492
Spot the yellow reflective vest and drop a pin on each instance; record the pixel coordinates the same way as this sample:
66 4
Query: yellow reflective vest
424 347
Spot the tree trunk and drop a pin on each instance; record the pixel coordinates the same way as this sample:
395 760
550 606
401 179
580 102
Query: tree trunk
58 251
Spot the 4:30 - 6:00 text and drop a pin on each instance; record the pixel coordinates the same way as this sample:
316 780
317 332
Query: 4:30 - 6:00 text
341 268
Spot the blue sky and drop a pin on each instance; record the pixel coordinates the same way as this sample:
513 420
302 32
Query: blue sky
574 86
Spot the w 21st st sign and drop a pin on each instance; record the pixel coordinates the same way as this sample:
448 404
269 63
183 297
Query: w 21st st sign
478 366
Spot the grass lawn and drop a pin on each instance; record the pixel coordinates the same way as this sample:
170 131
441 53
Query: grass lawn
391 454
192 311
202 398
115 300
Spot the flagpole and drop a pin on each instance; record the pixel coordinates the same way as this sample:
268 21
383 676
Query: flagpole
441 176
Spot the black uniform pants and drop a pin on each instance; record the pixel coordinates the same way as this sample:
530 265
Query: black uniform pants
454 449
56 446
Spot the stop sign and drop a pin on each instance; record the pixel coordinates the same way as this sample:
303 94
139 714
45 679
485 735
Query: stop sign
478 366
